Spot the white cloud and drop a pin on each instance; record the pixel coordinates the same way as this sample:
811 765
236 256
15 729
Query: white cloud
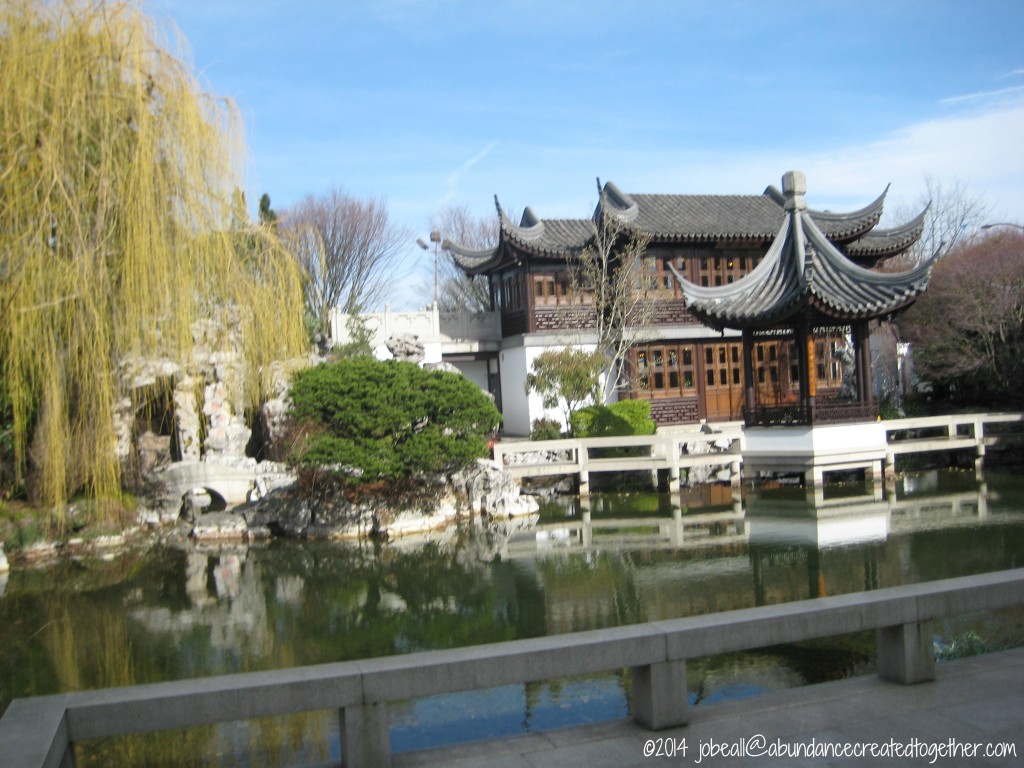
985 95
456 175
981 149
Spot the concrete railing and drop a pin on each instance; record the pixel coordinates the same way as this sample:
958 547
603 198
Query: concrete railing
672 451
40 732
968 431
675 450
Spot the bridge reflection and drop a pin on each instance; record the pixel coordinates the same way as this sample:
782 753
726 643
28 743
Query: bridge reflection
761 515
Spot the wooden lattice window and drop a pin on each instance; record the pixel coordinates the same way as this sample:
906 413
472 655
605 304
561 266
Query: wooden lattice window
653 279
510 292
552 289
665 370
828 356
725 267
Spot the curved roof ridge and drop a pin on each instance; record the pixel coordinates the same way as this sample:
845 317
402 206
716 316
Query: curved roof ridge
775 194
849 226
879 242
875 206
469 258
768 290
621 205
851 268
530 227
803 268
852 289
473 260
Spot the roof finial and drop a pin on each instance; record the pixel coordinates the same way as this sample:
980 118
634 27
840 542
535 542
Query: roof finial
794 187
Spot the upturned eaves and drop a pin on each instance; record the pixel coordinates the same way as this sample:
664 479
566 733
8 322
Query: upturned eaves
879 243
804 270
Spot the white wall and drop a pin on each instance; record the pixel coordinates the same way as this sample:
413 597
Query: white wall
475 371
518 408
514 364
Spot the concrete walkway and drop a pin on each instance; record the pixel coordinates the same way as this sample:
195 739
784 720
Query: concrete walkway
973 704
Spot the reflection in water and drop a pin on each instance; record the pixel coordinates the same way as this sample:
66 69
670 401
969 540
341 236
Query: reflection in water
170 613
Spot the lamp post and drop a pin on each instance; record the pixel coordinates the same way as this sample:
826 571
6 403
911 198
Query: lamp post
435 238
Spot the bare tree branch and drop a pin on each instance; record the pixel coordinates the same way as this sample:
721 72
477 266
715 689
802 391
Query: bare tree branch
607 276
953 213
460 292
349 249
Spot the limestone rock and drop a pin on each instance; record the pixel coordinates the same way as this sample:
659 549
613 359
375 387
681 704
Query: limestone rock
492 491
443 366
154 451
406 346
219 525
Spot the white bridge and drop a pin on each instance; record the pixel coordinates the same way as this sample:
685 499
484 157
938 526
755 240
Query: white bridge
812 451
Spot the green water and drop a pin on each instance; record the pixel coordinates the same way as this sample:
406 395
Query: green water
164 613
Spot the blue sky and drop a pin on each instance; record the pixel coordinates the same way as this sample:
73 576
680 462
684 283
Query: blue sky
447 102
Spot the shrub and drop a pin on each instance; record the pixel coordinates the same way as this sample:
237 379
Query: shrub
545 429
388 419
626 417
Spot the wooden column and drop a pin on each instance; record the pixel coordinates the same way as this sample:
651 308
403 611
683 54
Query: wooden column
869 387
805 362
862 361
749 393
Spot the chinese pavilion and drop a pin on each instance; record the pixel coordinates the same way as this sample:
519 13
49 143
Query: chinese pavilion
754 302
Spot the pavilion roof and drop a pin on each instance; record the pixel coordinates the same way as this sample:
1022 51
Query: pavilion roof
667 218
804 271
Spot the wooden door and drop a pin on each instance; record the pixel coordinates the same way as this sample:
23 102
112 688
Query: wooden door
723 377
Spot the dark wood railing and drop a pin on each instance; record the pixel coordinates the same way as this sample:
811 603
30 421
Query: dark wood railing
828 412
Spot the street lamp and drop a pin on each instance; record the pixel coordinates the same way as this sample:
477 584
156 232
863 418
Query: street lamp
435 238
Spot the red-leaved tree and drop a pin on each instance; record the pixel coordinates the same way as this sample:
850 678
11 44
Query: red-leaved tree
967 330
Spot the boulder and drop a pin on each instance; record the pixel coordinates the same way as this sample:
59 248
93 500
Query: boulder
490 490
406 346
326 512
219 525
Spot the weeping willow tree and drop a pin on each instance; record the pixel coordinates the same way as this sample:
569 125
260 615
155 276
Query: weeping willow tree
119 230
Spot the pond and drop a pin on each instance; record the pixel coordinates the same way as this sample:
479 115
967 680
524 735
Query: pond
172 612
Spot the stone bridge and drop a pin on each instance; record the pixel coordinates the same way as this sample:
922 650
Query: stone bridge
227 484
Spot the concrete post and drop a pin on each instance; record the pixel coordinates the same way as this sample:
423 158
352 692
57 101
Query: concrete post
365 742
676 531
674 477
660 696
889 470
582 459
905 653
584 485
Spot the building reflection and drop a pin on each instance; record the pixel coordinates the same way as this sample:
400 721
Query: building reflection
722 548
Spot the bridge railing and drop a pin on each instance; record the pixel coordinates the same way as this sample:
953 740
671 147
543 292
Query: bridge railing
677 450
975 425
969 431
672 451
40 732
